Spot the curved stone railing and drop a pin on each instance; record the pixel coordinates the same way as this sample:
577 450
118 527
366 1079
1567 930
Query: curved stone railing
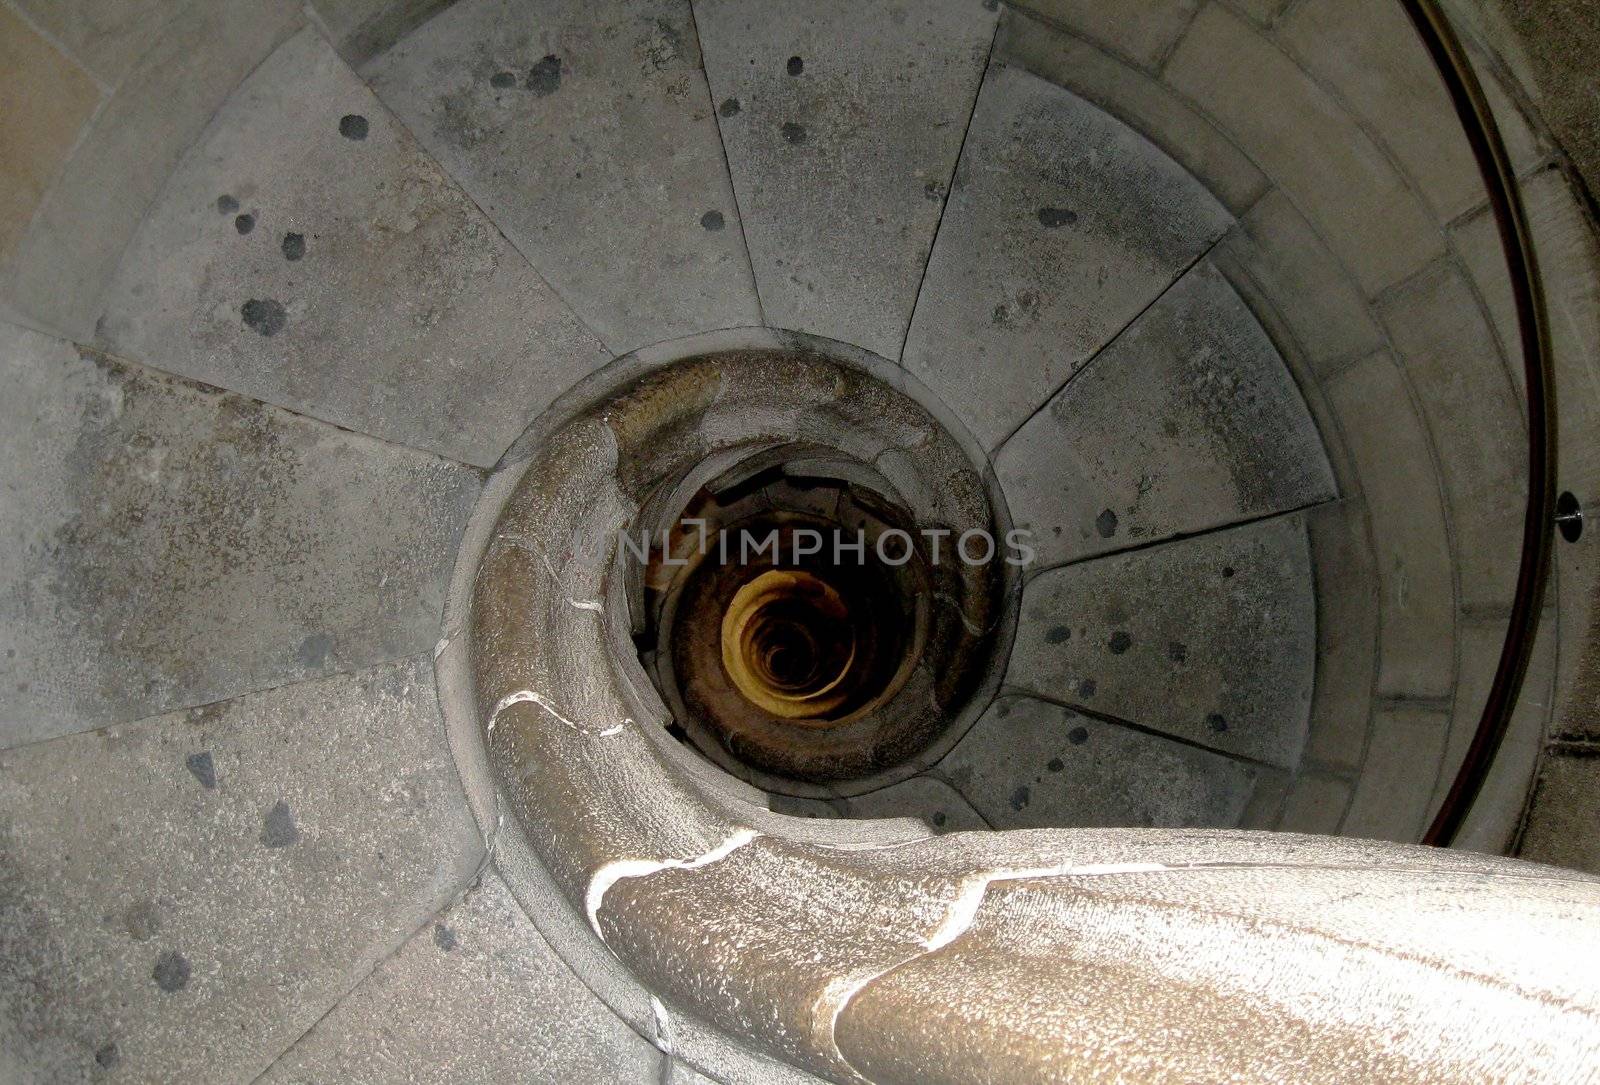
1048 956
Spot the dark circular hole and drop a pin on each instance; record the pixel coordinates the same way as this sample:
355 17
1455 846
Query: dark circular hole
1569 517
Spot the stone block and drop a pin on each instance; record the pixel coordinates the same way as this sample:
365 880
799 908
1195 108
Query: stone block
187 895
475 995
306 226
842 124
1137 99
169 545
1392 794
1188 422
1309 146
1400 487
1210 639
586 133
1062 227
1028 764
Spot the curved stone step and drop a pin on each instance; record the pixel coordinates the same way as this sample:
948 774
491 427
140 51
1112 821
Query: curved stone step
585 130
183 897
842 124
168 545
1189 421
1062 226
1210 639
1029 764
307 252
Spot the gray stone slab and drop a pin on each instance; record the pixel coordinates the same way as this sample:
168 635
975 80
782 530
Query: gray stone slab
476 995
1137 99
106 36
1210 639
167 545
344 277
1405 756
842 123
1566 806
1028 764
585 130
1063 224
1189 421
932 801
56 277
181 898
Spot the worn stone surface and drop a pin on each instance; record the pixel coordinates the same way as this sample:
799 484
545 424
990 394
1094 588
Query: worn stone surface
1368 52
842 124
1138 100
1029 764
362 29
1400 488
107 37
1308 144
335 248
935 802
1062 226
1347 634
62 263
1447 347
1144 31
193 892
1565 809
1051 975
46 99
1404 758
1210 639
1306 285
1315 804
585 131
169 545
1189 421
475 995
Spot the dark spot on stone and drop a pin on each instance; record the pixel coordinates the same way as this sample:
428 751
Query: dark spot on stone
264 315
227 205
1055 764
1227 572
1003 710
244 223
171 972
315 650
1087 687
107 1056
794 133
795 66
353 126
991 5
1059 635
933 191
939 818
1053 217
502 80
1120 642
142 920
294 246
1217 723
1078 736
730 107
544 77
712 220
278 829
1176 652
444 937
1020 798
203 769
1106 524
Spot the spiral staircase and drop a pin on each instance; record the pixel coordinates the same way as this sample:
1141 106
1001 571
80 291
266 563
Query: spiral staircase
346 736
